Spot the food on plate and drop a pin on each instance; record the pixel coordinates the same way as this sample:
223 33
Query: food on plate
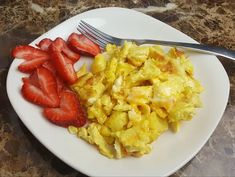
132 95
63 66
51 71
33 57
68 111
27 52
61 45
44 44
81 44
41 88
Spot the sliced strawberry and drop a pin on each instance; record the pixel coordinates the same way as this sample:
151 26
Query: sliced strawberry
30 65
49 65
70 54
67 114
36 95
48 84
26 79
61 45
63 67
82 116
67 59
44 44
32 79
28 53
60 84
41 87
79 43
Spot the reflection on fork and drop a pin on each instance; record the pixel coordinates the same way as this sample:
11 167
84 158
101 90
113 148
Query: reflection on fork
102 39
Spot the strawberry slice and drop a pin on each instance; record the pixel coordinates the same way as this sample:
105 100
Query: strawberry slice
68 113
61 45
44 44
63 67
30 65
35 95
32 79
48 83
70 54
49 65
60 84
41 88
29 53
82 116
80 43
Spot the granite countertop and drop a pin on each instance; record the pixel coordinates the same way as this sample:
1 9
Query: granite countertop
21 21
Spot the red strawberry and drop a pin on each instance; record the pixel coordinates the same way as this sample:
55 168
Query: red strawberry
82 116
68 113
63 67
49 65
67 59
32 79
28 53
60 84
35 95
48 83
40 88
61 45
30 65
71 54
44 44
79 43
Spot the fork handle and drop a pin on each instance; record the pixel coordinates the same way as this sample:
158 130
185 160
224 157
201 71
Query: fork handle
220 51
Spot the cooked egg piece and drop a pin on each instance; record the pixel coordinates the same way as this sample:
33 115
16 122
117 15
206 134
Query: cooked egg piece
99 64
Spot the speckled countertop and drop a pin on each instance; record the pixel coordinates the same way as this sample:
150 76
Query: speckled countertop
21 21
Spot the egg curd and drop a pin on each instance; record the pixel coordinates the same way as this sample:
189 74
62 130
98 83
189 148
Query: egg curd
132 95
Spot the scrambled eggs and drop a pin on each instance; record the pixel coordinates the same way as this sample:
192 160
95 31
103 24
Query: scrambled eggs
132 95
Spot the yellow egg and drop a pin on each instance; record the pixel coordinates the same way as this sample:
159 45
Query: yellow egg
122 106
99 64
83 79
110 71
157 53
96 112
124 68
124 51
117 120
175 126
132 95
82 71
140 94
150 70
93 135
138 55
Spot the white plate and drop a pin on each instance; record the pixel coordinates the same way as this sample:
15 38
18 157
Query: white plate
170 151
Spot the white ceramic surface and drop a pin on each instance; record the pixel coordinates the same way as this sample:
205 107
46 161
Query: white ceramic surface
171 151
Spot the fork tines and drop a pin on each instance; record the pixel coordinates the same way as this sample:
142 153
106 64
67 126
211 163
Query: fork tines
94 34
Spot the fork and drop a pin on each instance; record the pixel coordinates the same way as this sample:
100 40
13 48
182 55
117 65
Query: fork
102 39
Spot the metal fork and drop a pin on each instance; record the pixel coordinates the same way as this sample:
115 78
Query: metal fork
102 39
